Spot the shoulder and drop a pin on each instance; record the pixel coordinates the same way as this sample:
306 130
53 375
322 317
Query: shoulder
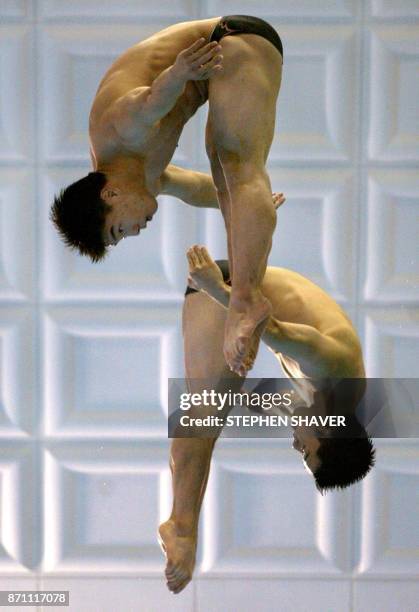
347 351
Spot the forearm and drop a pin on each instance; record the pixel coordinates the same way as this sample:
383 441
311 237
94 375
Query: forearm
190 463
194 188
206 195
164 93
294 339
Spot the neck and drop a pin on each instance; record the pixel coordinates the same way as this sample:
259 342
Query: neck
126 168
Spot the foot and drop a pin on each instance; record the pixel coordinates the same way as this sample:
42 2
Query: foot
250 357
245 323
180 555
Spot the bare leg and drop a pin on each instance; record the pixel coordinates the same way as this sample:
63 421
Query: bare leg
223 195
242 101
203 328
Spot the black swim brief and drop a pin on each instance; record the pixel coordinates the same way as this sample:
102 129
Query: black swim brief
246 24
223 265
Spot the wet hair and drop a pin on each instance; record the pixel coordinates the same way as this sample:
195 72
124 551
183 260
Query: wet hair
78 213
345 457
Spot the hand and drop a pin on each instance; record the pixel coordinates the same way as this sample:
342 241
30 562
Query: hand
203 271
199 61
278 199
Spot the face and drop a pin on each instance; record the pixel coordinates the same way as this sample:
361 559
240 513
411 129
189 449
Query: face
129 214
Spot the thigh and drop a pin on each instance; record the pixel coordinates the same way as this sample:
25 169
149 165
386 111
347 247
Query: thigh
216 167
203 334
242 97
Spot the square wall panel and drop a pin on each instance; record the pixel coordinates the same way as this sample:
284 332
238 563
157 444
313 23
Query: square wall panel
385 595
106 371
315 230
390 343
132 9
316 109
148 267
16 9
19 494
103 506
392 237
267 595
73 62
111 594
16 93
391 9
394 90
252 527
389 538
17 224
321 9
18 392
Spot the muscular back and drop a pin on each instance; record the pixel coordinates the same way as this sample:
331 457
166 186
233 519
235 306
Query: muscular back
296 299
139 66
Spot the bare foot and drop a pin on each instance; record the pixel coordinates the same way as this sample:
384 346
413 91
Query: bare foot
244 326
180 555
248 362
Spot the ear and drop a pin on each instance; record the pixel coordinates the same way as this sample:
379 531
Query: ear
108 192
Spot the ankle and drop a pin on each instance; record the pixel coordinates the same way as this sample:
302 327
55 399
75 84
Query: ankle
185 527
246 295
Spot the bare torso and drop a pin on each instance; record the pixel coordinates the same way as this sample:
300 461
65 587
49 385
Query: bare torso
295 299
139 66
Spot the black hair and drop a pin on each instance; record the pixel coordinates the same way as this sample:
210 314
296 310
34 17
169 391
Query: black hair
78 213
346 456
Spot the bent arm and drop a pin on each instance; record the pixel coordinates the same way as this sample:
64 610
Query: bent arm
300 341
142 107
194 188
162 95
147 105
296 340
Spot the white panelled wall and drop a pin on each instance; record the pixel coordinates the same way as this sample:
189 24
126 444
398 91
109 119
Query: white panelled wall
86 349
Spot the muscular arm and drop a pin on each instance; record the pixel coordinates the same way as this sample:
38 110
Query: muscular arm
195 188
138 110
144 106
157 100
322 355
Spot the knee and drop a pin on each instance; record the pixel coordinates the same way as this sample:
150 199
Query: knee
249 180
241 171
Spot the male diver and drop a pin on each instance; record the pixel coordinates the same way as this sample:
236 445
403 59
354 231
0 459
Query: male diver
318 349
140 109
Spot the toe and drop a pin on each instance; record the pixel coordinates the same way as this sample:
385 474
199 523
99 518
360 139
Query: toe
177 581
182 584
172 573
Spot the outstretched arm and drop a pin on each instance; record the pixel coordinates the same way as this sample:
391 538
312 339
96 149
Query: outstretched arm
196 188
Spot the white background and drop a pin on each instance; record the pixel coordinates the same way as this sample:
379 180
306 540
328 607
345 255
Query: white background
86 349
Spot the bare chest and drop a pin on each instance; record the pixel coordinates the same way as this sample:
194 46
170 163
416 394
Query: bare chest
157 145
